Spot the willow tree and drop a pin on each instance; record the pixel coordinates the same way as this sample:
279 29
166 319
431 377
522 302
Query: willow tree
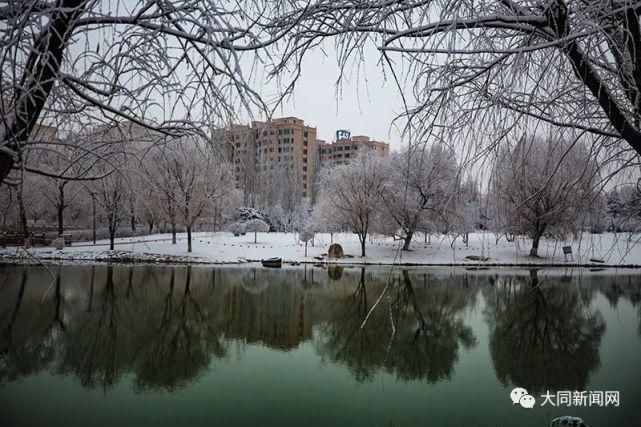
544 187
193 177
353 194
477 69
163 65
420 189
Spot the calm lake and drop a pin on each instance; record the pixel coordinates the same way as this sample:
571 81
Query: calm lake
307 346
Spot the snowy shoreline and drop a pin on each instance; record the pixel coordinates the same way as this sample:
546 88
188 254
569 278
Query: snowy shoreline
616 251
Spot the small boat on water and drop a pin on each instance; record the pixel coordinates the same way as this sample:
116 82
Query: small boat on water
273 262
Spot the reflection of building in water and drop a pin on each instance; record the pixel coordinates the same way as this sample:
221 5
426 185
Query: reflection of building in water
276 317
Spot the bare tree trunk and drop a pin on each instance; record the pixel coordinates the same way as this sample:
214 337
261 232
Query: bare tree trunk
132 213
172 219
93 202
151 226
40 73
407 240
187 218
6 164
112 236
21 209
534 251
363 240
61 208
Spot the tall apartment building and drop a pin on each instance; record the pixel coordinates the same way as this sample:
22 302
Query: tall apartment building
282 147
286 150
346 147
239 145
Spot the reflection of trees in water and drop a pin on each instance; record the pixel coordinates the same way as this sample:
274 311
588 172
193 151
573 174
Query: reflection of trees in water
164 326
92 345
161 335
626 287
413 333
183 344
542 336
27 324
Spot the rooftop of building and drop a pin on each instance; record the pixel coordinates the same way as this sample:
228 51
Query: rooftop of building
280 121
358 139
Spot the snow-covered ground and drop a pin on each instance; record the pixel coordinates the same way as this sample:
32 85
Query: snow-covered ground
222 247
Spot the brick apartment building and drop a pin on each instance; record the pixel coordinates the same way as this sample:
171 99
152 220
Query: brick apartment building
290 146
285 144
347 147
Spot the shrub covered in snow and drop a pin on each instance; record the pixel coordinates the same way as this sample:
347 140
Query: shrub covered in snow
245 213
237 228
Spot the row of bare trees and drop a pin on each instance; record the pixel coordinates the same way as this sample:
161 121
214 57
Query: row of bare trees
130 175
539 187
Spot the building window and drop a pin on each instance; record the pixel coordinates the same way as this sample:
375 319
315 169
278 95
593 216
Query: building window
304 151
305 143
346 155
304 193
305 135
304 159
280 131
304 168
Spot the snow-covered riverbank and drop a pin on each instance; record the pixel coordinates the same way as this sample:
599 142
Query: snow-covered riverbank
224 248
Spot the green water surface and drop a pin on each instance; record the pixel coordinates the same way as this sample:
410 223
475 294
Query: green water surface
307 346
